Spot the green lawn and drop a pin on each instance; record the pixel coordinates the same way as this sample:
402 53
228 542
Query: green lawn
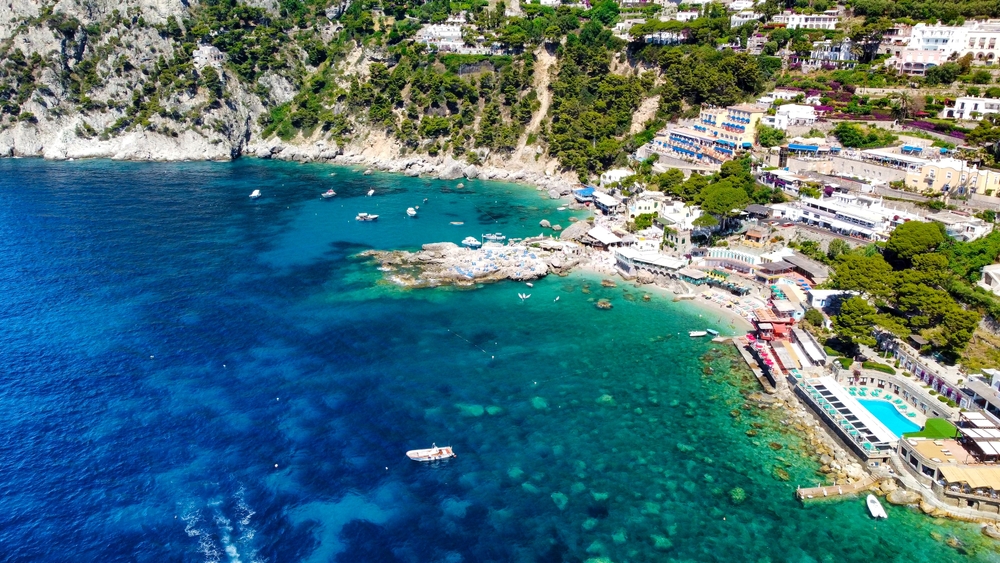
935 429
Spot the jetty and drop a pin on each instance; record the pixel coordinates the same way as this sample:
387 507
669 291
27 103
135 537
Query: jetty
828 491
742 346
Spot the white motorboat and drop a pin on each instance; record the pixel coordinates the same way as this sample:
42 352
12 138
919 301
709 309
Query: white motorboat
529 284
328 194
411 212
366 217
471 242
494 237
255 194
433 453
697 333
524 296
556 299
875 507
371 192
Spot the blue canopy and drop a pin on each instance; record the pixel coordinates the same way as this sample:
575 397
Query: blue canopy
908 148
812 148
747 145
588 191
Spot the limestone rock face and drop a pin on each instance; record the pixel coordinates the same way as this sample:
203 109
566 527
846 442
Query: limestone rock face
903 496
544 223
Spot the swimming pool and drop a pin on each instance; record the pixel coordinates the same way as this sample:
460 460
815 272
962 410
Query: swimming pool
890 417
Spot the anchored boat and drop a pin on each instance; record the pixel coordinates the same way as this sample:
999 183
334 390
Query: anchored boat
366 217
255 194
697 333
875 507
328 194
433 453
411 212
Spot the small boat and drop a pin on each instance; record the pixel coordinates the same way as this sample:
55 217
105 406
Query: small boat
560 209
366 217
367 172
875 507
328 194
371 192
529 284
524 296
255 194
556 299
471 242
712 332
411 212
460 185
495 237
458 222
432 453
697 333
425 200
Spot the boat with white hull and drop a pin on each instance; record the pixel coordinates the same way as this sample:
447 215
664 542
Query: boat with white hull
875 507
697 333
433 453
255 194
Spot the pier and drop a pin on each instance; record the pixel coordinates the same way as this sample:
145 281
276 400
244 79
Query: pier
742 345
813 493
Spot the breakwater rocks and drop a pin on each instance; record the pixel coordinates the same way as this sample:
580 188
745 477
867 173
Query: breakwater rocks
446 263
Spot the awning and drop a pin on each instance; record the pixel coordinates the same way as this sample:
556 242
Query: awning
813 148
692 273
603 235
975 477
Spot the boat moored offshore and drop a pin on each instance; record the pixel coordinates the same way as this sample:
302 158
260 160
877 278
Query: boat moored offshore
697 333
433 453
471 242
255 194
328 194
411 212
366 217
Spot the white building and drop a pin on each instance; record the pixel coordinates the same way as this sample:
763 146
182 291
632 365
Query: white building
962 227
784 94
933 45
858 216
615 176
969 107
740 5
444 36
208 55
775 121
686 15
741 18
622 28
826 20
991 278
647 202
836 53
797 114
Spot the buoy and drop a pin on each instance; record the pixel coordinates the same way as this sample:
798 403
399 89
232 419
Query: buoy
275 465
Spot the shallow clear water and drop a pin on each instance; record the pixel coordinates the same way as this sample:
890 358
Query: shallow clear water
188 375
889 416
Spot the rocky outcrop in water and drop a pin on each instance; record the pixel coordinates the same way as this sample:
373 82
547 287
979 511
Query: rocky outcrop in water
446 263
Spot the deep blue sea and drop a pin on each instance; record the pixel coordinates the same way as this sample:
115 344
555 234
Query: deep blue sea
190 375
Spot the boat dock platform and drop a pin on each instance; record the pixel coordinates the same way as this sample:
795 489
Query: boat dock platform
742 346
813 493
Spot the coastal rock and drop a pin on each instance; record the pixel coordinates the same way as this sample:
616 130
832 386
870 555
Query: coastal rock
888 486
471 172
554 194
902 497
854 471
557 228
926 507
450 170
576 231
992 531
544 223
645 277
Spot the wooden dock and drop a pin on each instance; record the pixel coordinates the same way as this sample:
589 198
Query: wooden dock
813 493
742 345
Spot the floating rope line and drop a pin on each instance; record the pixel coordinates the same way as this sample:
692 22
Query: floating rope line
481 349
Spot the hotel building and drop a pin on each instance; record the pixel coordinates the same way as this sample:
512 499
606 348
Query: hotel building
717 135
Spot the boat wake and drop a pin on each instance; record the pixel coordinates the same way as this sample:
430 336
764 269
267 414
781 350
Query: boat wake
223 537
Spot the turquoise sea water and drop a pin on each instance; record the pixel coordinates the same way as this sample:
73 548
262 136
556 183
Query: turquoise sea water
890 417
188 375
